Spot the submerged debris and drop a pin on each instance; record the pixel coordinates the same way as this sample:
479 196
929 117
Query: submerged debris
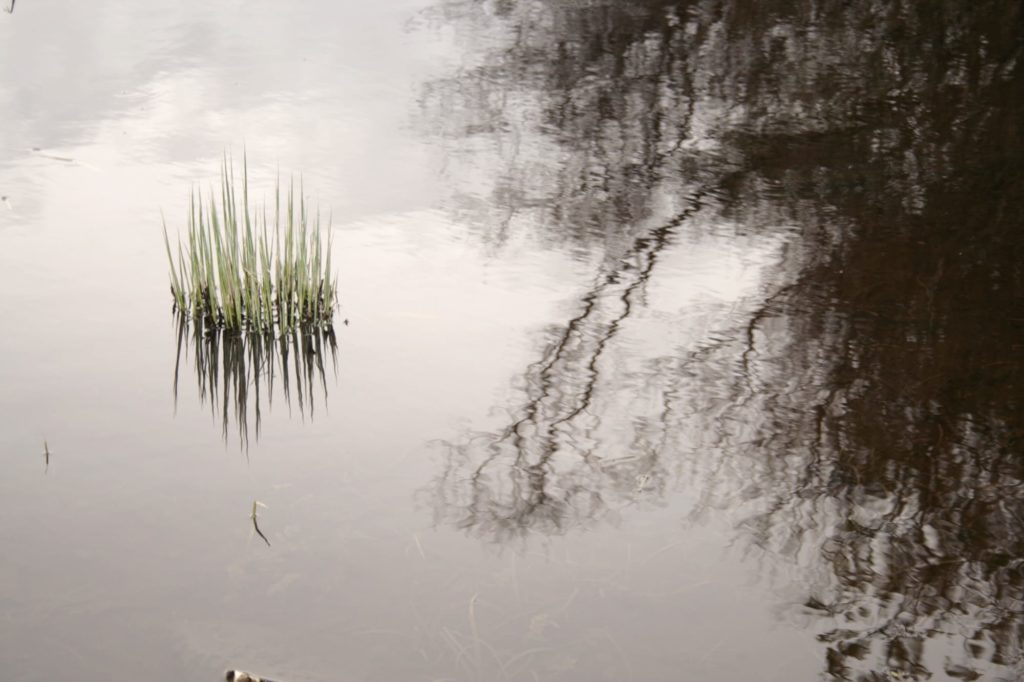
239 676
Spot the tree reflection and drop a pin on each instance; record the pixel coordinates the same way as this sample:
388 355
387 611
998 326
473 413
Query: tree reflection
866 421
236 373
525 481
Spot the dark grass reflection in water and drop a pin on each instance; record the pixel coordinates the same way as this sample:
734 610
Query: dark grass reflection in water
864 424
238 373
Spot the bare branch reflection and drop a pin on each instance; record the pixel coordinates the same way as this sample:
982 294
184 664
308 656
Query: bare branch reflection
862 416
542 473
236 373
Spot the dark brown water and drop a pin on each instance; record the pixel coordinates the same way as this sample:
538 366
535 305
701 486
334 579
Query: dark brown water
684 343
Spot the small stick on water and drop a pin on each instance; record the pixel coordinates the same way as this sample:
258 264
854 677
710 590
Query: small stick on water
64 159
256 527
46 455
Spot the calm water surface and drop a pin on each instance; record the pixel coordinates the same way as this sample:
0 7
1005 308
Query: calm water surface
683 342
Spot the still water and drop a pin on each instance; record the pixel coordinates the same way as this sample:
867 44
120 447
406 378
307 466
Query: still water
678 341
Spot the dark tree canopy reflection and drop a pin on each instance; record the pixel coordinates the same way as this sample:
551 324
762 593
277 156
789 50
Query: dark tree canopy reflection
865 420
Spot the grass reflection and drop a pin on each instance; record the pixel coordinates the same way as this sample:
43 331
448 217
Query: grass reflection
237 374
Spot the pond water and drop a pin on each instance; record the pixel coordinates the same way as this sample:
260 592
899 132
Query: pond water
677 341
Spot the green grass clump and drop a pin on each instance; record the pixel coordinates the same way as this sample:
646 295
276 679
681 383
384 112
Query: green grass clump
241 270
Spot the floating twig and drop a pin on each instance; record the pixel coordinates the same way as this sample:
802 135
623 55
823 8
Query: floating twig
256 527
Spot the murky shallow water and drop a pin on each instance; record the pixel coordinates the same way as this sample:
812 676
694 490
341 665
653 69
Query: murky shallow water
683 343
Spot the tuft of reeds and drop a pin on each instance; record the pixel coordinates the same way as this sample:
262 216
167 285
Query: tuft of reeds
240 270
